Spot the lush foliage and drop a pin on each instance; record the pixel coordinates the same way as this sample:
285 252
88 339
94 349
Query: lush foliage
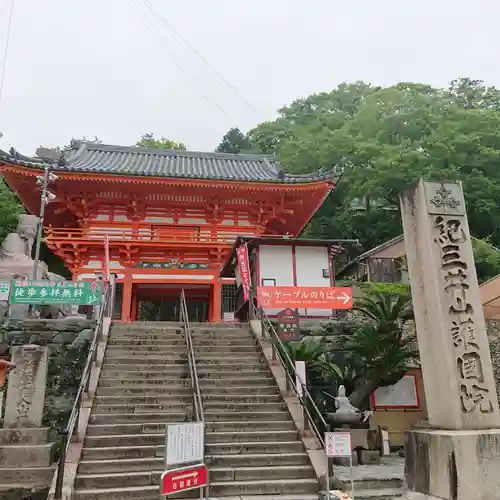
149 141
372 353
387 138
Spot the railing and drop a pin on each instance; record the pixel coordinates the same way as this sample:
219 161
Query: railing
71 430
149 234
197 401
313 417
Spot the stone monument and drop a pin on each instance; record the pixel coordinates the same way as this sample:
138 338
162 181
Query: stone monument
458 457
24 448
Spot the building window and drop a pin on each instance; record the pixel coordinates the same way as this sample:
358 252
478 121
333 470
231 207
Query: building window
229 298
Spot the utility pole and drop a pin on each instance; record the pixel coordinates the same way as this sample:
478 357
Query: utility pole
45 197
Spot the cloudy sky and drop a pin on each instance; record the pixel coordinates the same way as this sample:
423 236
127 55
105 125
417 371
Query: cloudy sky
116 69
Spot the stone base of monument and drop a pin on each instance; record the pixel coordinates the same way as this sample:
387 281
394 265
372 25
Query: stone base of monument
25 457
453 465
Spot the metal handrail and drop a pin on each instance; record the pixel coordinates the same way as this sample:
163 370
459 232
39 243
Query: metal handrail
309 407
69 431
193 373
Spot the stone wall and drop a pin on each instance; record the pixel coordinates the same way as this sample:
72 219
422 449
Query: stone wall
68 341
494 338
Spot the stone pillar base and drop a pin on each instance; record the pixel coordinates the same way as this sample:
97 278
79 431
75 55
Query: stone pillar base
453 465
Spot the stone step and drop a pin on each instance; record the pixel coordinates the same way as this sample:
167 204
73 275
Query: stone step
384 494
155 427
24 436
151 451
379 483
13 456
161 391
222 406
138 409
142 359
228 369
151 493
157 463
158 416
210 437
27 477
265 379
147 478
181 349
179 340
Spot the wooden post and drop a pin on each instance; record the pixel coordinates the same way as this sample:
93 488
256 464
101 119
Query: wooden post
127 299
216 302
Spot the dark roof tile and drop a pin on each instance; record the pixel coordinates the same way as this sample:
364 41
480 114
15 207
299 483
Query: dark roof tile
131 160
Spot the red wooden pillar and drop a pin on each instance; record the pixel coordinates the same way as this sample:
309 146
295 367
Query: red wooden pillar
127 298
216 302
135 304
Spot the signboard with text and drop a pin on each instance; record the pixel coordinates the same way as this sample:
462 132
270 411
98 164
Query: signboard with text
288 325
307 297
56 292
184 479
338 444
4 290
185 443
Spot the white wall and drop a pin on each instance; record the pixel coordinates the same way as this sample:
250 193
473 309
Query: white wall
310 262
276 262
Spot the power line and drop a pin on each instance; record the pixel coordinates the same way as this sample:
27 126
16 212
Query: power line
197 53
175 60
6 51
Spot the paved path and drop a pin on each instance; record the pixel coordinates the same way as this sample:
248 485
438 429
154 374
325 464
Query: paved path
391 467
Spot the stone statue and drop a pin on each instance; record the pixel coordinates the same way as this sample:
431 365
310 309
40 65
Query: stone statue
16 261
342 403
346 414
16 249
19 245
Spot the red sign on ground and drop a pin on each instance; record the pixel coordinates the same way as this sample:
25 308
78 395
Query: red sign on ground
187 478
307 297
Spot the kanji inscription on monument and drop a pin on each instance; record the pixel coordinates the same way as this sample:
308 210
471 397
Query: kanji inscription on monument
451 331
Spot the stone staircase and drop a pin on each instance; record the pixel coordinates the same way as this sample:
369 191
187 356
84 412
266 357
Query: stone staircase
253 447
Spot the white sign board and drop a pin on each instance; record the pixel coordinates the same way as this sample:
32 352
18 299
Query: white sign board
229 317
338 444
185 443
4 290
300 376
403 394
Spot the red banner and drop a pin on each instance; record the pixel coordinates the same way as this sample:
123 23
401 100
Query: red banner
187 478
244 267
307 297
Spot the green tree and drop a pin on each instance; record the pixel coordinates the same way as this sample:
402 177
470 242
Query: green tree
149 141
10 208
387 138
234 141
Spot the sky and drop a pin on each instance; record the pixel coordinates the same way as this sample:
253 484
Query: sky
115 69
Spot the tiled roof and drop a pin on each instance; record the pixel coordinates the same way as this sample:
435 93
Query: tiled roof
131 160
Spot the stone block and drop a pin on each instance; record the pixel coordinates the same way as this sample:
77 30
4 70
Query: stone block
344 461
369 457
453 465
24 436
26 456
367 439
26 389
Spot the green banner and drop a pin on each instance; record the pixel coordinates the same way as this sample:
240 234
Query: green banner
83 293
172 265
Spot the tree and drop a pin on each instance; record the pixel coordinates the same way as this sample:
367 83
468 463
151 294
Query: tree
387 138
234 141
149 141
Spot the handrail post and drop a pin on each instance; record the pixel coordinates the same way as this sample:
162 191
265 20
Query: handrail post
60 466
